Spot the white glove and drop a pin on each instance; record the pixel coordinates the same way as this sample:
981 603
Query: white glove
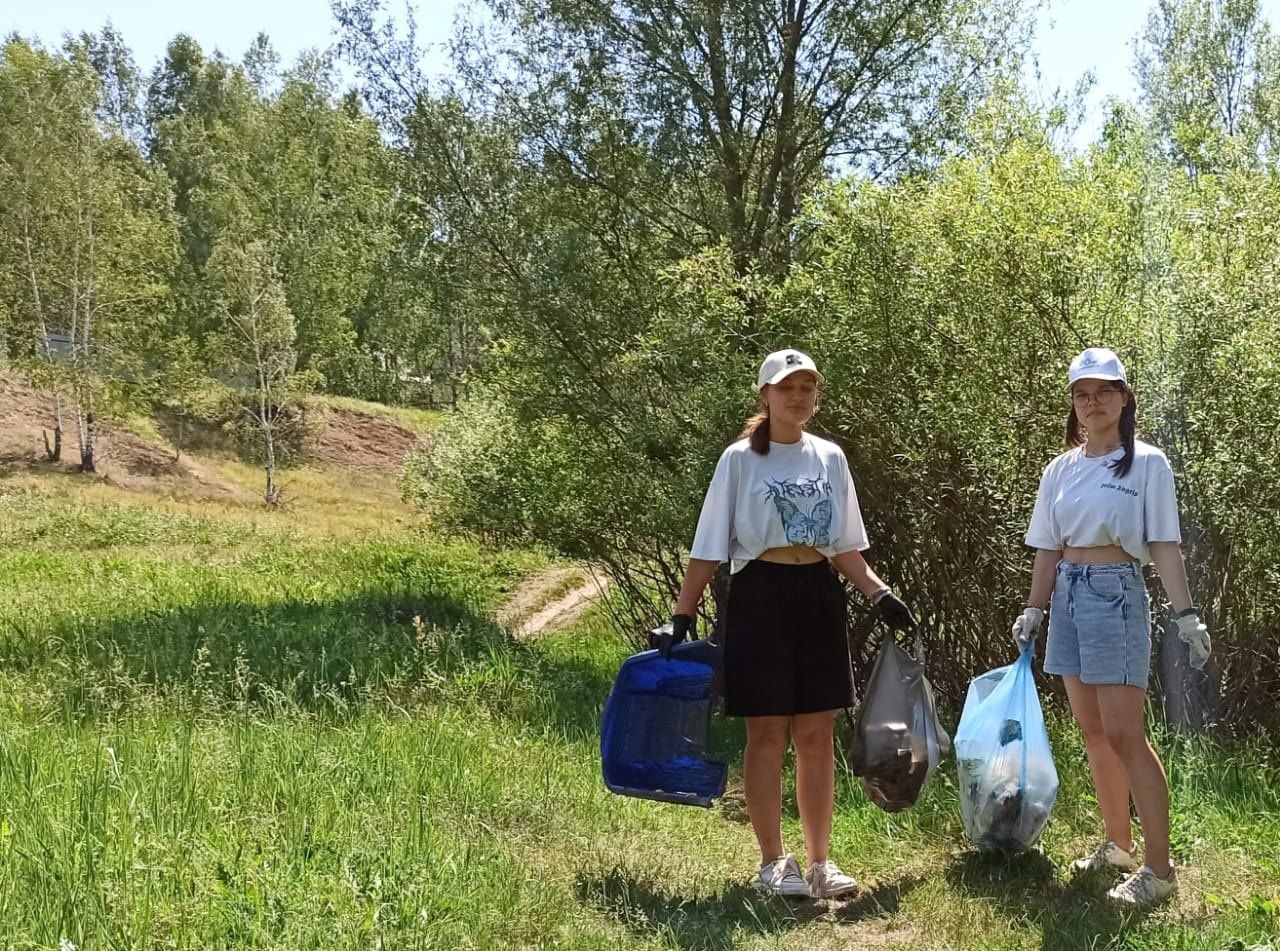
1196 636
1027 626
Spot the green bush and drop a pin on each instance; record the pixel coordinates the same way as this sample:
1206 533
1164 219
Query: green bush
943 311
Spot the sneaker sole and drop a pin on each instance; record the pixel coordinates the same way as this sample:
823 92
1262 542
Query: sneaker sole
1125 903
1092 869
788 892
841 893
1130 903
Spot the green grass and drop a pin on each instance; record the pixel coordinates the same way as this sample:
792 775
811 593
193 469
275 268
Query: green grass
411 417
35 522
231 734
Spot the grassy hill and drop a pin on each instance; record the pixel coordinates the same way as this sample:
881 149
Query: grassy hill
225 727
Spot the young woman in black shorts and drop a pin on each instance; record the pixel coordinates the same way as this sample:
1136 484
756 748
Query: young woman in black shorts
783 512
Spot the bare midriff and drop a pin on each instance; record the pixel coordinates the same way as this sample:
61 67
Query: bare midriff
1099 555
792 555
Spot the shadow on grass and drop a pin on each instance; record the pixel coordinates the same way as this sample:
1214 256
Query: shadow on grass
12 464
1072 914
716 922
346 653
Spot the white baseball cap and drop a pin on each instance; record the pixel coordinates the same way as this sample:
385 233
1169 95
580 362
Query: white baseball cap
781 364
1096 363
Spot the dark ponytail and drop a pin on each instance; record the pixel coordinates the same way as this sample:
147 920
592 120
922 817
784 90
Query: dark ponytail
1073 429
1128 431
757 430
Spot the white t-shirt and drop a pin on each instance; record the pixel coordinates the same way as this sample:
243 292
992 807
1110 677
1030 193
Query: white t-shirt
1082 503
801 493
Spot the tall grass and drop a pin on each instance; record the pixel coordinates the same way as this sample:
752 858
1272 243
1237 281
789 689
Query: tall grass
227 736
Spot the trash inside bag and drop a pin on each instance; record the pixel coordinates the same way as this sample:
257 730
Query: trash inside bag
897 740
655 726
1008 782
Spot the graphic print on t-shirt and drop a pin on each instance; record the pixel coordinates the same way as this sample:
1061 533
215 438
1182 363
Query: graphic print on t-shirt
813 528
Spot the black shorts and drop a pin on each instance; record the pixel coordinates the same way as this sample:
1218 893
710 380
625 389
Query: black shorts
786 650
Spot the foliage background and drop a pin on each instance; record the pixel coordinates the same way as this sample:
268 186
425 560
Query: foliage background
586 237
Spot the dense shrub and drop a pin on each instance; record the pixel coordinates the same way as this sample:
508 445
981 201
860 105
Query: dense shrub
943 312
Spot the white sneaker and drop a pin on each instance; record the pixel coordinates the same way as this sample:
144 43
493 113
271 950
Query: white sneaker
827 881
1144 888
782 877
1108 856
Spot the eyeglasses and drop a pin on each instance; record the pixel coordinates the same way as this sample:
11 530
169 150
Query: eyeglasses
1101 397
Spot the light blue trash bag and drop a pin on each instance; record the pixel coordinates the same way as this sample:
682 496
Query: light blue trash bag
1008 782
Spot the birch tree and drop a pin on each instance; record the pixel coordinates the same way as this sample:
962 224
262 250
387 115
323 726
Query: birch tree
255 342
90 240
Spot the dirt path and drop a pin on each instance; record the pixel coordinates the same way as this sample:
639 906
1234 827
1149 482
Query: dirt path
529 612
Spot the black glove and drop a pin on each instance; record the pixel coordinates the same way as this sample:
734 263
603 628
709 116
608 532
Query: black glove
662 639
894 612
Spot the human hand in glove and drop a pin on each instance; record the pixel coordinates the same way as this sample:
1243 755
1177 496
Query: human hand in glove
1027 627
662 639
1196 636
894 611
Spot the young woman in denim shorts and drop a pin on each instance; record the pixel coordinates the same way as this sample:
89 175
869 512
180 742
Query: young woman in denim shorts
782 510
1105 507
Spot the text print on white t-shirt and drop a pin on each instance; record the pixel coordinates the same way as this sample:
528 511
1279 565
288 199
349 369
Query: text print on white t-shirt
1119 488
1082 503
813 528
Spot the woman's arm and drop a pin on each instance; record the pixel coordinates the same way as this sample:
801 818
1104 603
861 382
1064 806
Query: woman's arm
1167 557
1042 576
853 566
892 609
1027 626
696 578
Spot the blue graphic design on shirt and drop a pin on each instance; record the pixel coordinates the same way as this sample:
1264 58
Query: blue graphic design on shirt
811 529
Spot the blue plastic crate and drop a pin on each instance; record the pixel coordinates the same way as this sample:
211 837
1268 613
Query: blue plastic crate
653 734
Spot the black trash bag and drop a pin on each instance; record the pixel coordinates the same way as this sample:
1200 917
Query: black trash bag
897 739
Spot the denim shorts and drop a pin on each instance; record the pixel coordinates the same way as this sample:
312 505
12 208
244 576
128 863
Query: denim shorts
1100 625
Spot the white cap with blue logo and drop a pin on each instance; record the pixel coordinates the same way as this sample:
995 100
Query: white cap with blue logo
1096 363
